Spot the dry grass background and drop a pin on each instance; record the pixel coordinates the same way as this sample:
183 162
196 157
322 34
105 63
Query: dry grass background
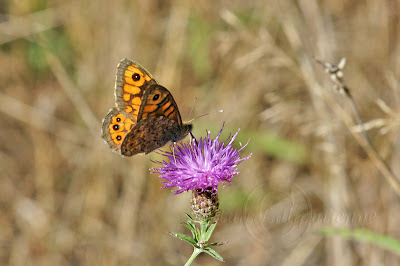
66 199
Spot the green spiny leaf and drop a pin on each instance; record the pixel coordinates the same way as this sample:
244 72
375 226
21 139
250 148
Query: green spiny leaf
215 244
184 238
209 231
213 253
198 235
203 228
192 229
190 217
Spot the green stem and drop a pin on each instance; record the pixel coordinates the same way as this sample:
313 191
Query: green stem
196 252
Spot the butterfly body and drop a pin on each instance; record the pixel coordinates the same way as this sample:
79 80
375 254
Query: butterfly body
146 116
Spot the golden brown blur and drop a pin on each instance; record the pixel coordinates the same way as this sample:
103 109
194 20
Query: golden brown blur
67 199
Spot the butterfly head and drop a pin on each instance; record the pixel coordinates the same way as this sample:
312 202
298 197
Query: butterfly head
185 130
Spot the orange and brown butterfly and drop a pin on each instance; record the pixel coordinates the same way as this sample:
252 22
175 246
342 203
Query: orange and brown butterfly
145 117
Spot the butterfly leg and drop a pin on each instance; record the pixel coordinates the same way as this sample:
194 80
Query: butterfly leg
193 137
173 151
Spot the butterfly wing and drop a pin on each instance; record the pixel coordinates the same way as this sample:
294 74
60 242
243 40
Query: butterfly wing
115 128
159 122
130 85
149 134
158 101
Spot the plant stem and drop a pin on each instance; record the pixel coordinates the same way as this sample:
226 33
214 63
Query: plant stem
196 252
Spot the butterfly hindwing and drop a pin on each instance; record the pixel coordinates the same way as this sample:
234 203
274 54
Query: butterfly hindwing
149 134
115 128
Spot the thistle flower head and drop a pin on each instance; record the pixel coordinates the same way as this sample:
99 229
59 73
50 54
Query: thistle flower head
200 165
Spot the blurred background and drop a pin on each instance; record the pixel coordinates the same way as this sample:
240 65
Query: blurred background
66 199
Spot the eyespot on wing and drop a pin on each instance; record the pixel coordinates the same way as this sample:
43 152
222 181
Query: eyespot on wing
114 129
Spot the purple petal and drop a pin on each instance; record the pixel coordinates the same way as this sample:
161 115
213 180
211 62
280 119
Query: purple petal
201 166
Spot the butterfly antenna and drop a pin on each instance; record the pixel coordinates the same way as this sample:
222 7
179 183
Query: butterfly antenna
194 103
217 111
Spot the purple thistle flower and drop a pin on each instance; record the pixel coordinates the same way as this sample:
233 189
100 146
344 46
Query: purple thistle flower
200 165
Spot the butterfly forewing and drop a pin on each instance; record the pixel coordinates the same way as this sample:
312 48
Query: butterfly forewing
130 85
158 101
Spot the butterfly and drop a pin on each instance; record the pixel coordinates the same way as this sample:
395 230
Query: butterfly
146 116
